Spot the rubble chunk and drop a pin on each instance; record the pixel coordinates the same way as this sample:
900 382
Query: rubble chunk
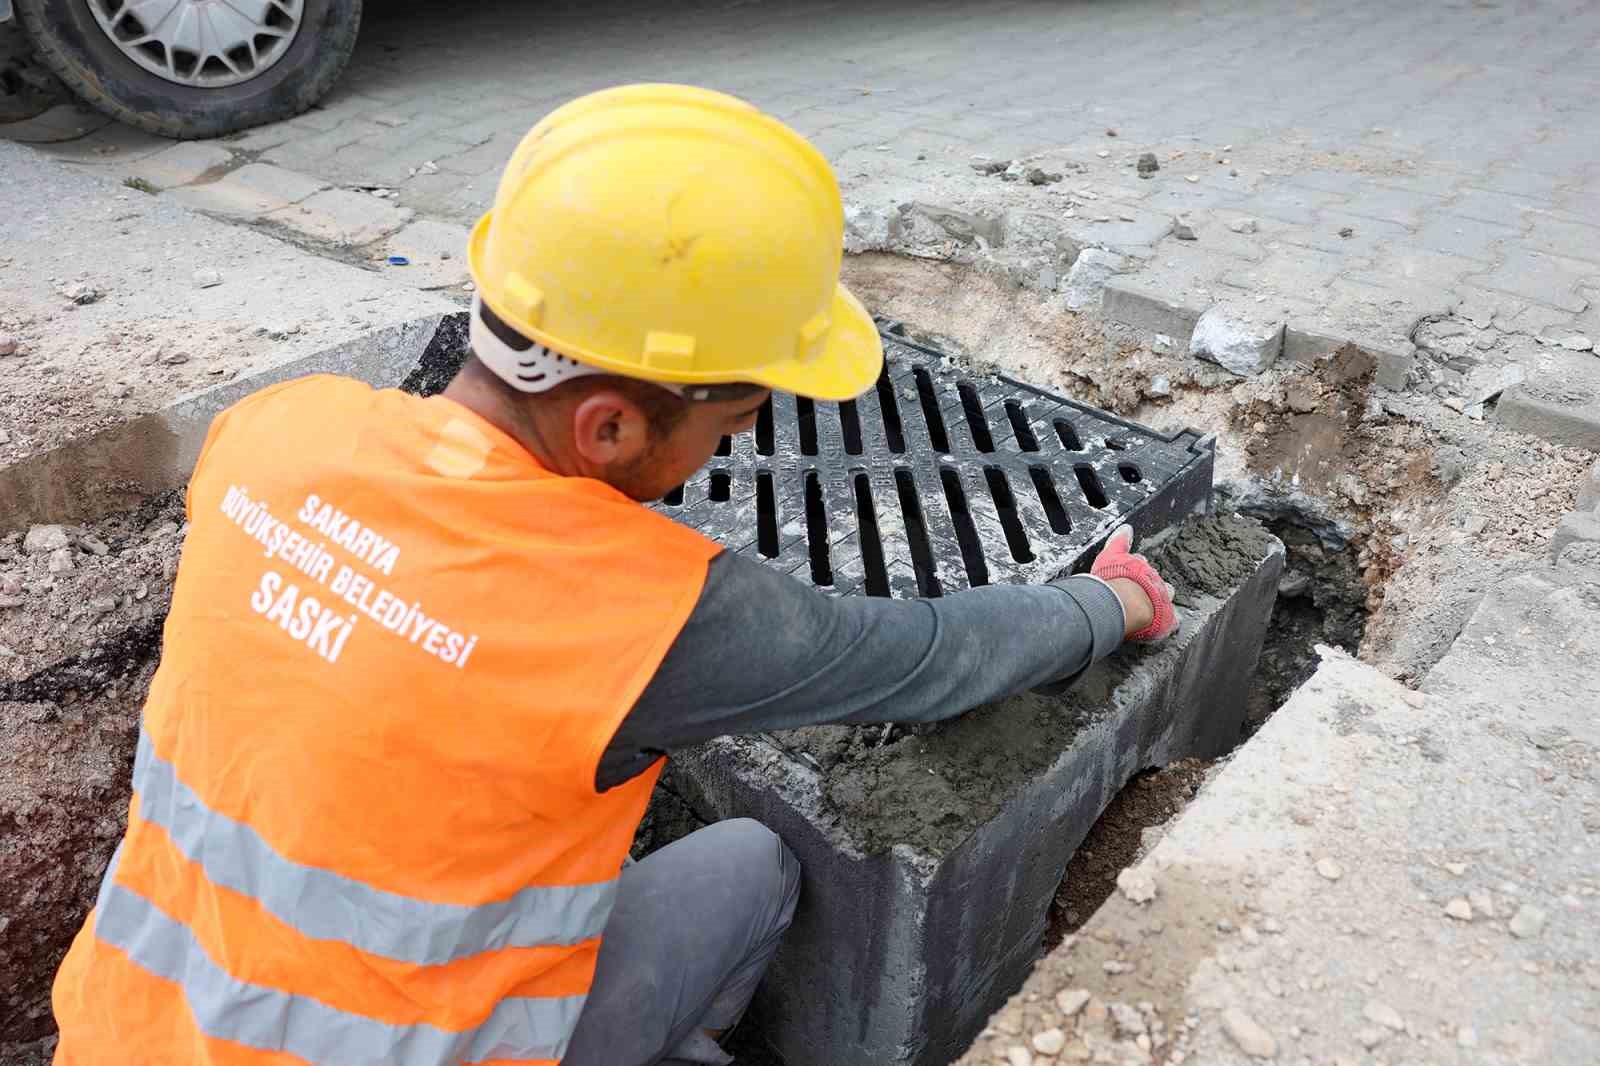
1459 909
1070 1001
1183 229
61 560
206 279
1148 165
1329 869
1088 276
1049 1041
1251 1037
1381 1013
1528 922
1236 342
1136 886
45 539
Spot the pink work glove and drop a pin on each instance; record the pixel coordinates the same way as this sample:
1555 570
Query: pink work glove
1114 561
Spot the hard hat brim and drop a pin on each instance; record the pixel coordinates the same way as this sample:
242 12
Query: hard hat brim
848 365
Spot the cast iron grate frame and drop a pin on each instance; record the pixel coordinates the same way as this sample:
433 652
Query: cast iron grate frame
939 479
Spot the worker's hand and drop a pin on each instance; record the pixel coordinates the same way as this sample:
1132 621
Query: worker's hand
1146 599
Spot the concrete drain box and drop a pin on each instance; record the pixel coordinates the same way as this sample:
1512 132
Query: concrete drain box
930 858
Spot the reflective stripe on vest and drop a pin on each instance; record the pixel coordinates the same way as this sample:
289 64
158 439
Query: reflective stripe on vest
525 1028
326 906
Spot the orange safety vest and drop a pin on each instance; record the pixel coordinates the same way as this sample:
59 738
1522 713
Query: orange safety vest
364 826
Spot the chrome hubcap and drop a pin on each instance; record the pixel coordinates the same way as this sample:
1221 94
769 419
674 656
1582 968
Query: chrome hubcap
207 44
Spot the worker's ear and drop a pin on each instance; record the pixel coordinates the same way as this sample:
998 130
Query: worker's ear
609 429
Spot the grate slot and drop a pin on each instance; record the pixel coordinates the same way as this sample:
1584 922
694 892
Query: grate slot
1021 427
889 407
805 413
1045 486
982 439
966 532
877 574
1006 506
766 516
1093 491
937 436
817 532
917 534
1069 435
1130 473
764 436
850 426
674 498
725 447
721 486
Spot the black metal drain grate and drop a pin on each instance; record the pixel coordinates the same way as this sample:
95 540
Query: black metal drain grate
939 480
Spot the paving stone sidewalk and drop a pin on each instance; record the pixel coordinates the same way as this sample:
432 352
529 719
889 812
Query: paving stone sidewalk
1395 160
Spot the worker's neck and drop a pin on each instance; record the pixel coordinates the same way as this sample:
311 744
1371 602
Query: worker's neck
536 429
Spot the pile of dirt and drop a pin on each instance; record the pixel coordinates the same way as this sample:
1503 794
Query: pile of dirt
78 647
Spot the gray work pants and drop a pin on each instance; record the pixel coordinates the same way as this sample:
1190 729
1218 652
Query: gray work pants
694 927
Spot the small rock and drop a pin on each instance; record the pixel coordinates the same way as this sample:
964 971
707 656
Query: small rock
45 539
119 390
1049 1042
1472 527
1370 1037
1248 1034
1148 165
1160 385
991 166
1161 344
103 604
1528 922
1455 403
61 560
175 359
94 545
1380 1013
1183 229
1459 868
1191 178
1072 1000
1459 909
1578 343
8 344
1103 154
206 279
1329 869
1136 886
1037 176
1347 231
1014 172
1116 967
1129 1022
1110 132
81 294
1017 1055
1243 225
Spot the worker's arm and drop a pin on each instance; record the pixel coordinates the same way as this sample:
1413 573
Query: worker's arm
764 651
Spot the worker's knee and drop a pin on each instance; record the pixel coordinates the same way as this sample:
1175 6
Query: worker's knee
764 863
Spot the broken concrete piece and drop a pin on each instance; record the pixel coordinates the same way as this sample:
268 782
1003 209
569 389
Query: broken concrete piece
1578 343
1580 526
1381 1013
1183 229
1236 342
1072 1000
1329 869
1589 491
45 539
206 279
1243 225
1527 923
61 560
1088 276
1049 1041
1459 909
1148 165
8 344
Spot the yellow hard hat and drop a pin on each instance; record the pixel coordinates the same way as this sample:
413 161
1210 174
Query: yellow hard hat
678 235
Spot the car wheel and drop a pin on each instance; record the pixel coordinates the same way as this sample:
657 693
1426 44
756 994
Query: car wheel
195 68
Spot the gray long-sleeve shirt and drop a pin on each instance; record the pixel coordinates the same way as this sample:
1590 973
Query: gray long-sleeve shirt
763 651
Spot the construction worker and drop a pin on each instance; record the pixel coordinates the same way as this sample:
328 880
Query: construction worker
425 656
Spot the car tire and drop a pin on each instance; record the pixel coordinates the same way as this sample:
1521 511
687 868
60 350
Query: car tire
70 41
